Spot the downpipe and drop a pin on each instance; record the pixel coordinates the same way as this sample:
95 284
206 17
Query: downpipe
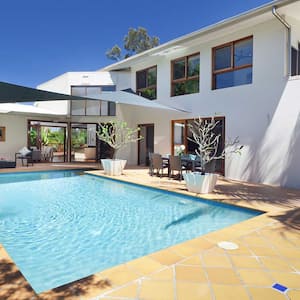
289 43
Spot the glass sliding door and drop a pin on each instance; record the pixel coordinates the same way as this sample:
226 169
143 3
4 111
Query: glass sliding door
50 138
83 142
181 143
145 145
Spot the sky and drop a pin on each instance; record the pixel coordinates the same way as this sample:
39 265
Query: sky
41 39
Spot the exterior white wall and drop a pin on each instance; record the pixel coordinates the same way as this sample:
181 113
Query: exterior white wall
249 109
63 83
255 112
16 134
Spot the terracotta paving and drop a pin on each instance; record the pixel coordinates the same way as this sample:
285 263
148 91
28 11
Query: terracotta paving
268 253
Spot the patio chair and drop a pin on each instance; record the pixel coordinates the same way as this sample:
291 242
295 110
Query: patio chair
47 154
156 162
176 165
25 155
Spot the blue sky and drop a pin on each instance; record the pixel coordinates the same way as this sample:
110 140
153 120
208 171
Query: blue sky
41 39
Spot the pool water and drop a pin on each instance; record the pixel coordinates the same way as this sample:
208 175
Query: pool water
61 226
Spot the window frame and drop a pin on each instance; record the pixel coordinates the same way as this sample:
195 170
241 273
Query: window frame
232 67
185 136
86 101
186 77
140 90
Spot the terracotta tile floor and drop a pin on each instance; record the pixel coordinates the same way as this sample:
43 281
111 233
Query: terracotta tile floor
268 253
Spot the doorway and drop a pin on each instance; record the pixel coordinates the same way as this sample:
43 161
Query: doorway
83 142
145 145
50 138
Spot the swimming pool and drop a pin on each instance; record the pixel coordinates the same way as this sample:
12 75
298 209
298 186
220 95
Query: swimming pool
61 226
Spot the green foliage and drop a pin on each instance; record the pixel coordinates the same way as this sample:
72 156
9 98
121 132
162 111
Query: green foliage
79 138
136 41
33 137
117 134
54 137
114 53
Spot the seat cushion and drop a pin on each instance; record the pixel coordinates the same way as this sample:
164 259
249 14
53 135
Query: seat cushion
7 164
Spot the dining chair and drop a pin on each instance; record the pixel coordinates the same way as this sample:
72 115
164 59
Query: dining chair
176 165
158 164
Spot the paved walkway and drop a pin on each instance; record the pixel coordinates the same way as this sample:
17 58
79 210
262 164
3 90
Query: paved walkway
268 253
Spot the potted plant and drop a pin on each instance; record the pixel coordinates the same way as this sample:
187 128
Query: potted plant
203 132
117 135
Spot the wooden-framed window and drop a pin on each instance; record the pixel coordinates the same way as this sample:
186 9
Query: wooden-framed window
185 73
146 82
232 63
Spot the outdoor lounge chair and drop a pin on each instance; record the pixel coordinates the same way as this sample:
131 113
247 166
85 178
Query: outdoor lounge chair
24 158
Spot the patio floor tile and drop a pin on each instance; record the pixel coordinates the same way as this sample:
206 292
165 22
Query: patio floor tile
230 292
156 290
266 294
166 257
221 261
193 291
290 280
144 265
256 277
190 273
128 291
245 262
221 275
275 263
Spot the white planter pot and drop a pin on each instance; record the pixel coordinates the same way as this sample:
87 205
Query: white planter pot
200 184
113 167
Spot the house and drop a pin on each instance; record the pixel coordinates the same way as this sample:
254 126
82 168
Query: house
243 70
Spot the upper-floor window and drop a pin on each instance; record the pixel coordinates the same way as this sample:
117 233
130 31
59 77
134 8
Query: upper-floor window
295 61
185 75
232 63
146 82
91 107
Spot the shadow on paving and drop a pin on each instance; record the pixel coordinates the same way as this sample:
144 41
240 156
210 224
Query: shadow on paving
257 194
76 289
13 285
290 218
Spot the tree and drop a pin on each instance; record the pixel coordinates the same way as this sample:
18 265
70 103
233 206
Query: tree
135 42
117 134
208 142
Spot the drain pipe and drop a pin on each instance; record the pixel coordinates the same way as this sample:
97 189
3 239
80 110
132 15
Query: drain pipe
289 43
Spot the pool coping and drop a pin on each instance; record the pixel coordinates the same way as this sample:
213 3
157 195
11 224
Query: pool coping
103 283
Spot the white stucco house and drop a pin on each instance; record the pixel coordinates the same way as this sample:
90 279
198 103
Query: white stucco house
243 70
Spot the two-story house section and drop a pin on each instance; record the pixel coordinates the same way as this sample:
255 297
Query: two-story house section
243 70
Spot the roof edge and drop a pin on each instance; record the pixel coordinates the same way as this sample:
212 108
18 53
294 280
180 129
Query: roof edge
207 29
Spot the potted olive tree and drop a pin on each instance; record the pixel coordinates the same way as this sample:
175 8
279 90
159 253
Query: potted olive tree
203 134
117 135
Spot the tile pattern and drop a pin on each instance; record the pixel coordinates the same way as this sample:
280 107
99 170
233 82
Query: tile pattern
269 252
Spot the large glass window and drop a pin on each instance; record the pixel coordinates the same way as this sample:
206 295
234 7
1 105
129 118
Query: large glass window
182 144
90 107
295 61
185 75
146 82
232 63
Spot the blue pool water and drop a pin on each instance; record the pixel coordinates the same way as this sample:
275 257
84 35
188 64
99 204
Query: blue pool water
59 227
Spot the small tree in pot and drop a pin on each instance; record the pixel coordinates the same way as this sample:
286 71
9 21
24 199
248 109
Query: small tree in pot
208 144
117 135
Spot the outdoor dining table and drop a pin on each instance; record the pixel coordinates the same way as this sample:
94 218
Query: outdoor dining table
185 161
